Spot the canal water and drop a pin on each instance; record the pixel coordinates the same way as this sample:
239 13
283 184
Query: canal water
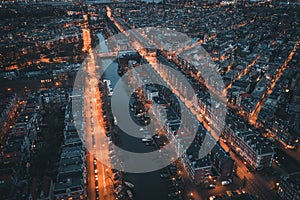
148 186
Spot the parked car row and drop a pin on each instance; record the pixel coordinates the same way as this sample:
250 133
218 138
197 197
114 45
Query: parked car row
96 179
174 181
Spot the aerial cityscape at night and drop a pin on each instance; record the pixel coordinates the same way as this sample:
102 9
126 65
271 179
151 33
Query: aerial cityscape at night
149 100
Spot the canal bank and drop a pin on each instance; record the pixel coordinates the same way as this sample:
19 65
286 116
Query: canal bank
148 186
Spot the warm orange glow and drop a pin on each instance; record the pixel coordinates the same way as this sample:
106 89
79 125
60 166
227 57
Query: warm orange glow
12 67
245 71
45 60
94 115
255 112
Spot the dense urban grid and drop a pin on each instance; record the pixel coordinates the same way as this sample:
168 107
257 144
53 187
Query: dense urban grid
49 151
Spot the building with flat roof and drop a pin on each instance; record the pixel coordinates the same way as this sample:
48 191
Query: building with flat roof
255 149
71 178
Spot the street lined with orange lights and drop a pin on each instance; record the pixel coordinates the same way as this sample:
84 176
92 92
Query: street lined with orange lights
98 173
242 73
254 115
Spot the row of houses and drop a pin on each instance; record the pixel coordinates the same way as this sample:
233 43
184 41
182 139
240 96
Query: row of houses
8 109
250 145
16 153
70 182
200 168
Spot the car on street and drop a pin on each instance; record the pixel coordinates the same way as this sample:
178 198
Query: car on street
225 182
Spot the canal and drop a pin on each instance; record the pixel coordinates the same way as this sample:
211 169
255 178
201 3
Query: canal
148 186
